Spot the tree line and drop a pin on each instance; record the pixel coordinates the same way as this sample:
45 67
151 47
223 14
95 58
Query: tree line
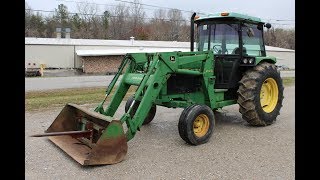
121 22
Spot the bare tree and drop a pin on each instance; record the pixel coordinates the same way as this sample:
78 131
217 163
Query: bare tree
277 37
105 22
184 32
87 10
34 23
122 22
76 24
119 22
175 19
158 26
27 17
160 15
137 15
88 15
51 25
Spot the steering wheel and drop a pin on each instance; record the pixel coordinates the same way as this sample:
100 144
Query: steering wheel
218 49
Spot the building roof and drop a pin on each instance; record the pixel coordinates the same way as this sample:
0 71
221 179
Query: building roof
230 15
123 44
102 42
106 52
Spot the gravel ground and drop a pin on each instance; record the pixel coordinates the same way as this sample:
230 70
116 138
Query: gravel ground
235 151
77 81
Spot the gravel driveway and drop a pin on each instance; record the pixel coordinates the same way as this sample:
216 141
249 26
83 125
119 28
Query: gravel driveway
235 151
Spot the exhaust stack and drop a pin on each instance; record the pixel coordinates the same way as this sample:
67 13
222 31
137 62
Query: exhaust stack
192 32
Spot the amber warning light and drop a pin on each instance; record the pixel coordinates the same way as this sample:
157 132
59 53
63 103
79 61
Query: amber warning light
224 14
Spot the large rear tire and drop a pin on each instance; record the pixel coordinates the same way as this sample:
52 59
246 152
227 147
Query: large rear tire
150 115
260 95
196 124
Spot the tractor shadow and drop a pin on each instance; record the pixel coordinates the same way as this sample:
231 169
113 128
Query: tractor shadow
224 117
231 118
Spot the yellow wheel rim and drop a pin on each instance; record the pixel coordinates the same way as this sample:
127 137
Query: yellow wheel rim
201 125
269 95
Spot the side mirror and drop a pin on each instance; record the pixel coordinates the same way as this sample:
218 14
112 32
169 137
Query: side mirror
250 32
268 25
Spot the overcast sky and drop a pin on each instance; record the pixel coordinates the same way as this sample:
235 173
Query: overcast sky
265 9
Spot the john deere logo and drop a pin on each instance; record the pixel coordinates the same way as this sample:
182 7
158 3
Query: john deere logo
137 78
172 58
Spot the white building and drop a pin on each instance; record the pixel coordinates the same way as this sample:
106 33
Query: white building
67 53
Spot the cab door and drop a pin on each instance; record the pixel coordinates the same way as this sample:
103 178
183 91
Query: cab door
224 42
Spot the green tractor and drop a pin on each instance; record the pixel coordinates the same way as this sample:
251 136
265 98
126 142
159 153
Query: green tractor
229 66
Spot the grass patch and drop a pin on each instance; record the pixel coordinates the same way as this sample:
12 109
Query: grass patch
37 100
288 81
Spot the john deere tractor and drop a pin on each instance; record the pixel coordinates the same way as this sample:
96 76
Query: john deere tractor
229 65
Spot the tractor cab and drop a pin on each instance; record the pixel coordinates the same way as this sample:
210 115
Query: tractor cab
235 40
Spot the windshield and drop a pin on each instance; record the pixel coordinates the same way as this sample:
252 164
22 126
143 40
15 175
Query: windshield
224 39
203 37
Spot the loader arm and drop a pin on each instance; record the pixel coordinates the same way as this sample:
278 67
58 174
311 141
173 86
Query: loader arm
97 137
151 87
150 81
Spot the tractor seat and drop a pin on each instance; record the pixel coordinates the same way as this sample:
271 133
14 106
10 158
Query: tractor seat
237 50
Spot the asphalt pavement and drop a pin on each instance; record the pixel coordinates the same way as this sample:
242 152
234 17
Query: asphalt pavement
50 83
236 150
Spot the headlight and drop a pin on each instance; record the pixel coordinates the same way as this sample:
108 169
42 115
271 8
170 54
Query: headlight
245 60
251 61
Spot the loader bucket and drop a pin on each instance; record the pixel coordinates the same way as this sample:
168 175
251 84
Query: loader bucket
88 137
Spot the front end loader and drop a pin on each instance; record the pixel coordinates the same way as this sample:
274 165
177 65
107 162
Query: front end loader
222 72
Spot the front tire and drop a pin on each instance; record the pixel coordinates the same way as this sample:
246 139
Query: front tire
196 124
260 95
150 115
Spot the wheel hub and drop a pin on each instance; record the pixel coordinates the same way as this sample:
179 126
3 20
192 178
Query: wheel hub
269 95
201 125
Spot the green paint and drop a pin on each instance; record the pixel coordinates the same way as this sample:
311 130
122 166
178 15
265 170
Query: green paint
189 72
113 130
269 59
234 15
225 103
133 79
150 72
